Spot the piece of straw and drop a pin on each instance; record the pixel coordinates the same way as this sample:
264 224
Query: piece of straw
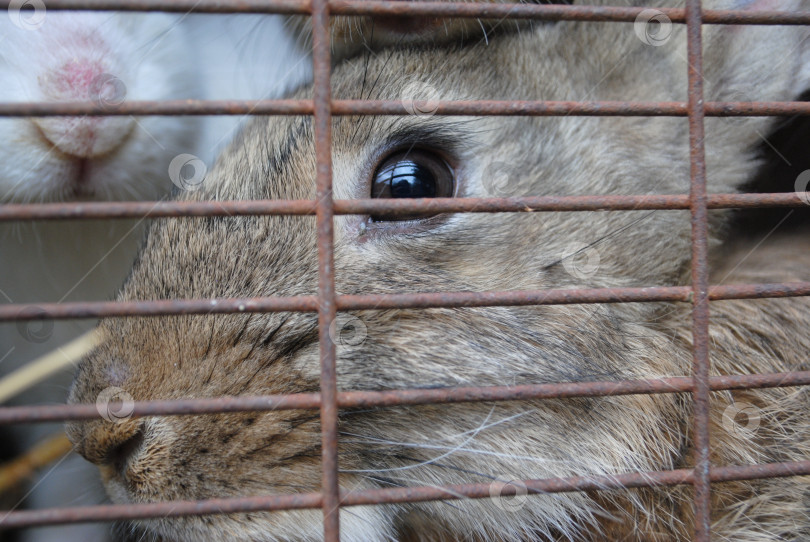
41 455
41 368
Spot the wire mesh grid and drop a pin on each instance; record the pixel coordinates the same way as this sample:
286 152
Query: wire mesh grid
327 302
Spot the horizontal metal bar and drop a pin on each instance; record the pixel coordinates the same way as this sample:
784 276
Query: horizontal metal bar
158 108
56 516
576 483
556 12
179 6
567 296
162 209
96 309
370 399
398 107
431 9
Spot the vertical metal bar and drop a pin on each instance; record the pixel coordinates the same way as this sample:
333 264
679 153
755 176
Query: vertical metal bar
700 272
324 212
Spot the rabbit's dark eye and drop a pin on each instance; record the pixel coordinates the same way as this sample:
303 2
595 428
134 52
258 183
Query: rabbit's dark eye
412 174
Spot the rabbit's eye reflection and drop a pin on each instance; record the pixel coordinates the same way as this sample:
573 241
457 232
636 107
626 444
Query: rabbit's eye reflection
411 174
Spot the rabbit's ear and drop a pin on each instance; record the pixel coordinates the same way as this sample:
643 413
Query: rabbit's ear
757 62
749 63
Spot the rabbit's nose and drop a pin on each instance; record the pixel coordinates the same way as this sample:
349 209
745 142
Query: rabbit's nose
83 80
107 443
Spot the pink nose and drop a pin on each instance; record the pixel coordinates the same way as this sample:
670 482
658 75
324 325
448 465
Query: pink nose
80 80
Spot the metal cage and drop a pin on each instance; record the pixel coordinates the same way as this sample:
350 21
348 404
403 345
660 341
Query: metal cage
328 302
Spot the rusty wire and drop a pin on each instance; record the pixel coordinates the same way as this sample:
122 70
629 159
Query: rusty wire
526 108
157 209
700 275
546 12
369 399
326 303
309 303
397 495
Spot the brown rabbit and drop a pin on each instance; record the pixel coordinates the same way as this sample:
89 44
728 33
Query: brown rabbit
424 155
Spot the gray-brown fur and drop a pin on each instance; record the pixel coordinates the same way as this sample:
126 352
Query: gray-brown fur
278 452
